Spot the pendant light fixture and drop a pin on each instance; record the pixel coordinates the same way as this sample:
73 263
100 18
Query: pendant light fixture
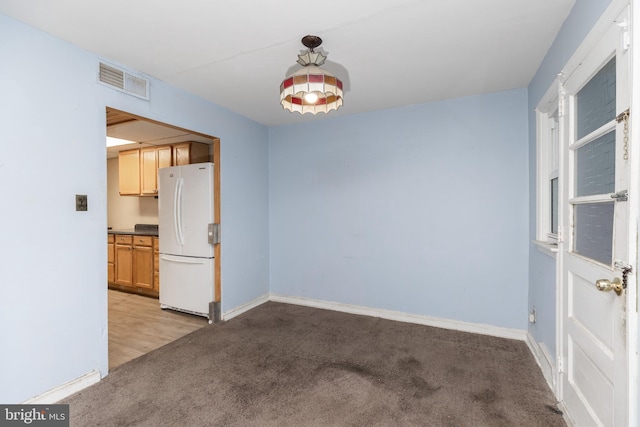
311 89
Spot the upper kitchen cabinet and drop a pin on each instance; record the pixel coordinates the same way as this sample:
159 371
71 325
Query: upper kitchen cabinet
190 152
138 169
148 171
129 172
165 156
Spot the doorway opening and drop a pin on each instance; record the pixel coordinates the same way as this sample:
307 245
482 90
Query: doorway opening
137 324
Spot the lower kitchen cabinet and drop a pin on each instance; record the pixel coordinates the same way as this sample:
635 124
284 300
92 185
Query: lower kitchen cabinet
156 264
111 260
124 260
143 262
134 264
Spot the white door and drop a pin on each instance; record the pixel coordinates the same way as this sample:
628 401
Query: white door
595 234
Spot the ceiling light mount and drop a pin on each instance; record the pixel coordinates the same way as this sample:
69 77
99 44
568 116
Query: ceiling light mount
311 42
311 89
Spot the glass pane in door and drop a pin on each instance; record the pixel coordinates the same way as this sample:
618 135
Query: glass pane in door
596 166
596 101
593 232
595 106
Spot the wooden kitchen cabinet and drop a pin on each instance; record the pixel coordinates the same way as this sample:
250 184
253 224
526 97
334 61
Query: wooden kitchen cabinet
129 172
138 169
165 156
111 259
156 264
143 262
148 171
186 153
124 259
135 264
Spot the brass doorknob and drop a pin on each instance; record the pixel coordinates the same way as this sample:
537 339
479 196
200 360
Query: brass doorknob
610 285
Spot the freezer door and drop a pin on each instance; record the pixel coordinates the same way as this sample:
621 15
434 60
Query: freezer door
196 210
186 283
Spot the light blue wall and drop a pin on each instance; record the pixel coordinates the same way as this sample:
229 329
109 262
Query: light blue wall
53 320
542 271
422 209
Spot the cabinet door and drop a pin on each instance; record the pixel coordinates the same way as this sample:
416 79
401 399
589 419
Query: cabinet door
198 152
111 258
124 265
149 171
165 156
129 172
143 271
156 264
181 154
190 152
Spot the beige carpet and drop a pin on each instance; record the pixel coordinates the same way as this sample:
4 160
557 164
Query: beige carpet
285 365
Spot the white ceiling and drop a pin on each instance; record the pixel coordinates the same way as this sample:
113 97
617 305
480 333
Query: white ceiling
388 53
146 134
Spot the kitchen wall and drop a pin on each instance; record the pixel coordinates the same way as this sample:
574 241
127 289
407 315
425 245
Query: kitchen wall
124 212
422 209
53 321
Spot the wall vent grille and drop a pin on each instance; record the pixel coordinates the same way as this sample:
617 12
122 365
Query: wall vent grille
123 81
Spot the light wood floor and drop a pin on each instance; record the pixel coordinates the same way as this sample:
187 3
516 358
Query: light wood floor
138 325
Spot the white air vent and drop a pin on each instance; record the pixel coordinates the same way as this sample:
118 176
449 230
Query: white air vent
123 81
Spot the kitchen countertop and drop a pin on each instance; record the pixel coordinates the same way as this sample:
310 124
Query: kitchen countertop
134 232
138 230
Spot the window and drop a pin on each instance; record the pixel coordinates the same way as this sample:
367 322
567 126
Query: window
547 181
554 208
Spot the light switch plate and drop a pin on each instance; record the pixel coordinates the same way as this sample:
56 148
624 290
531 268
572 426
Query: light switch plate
81 202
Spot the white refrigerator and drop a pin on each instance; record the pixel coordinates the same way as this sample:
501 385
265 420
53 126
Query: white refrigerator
185 228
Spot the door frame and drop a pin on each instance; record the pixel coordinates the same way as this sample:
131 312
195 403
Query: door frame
215 152
631 295
633 305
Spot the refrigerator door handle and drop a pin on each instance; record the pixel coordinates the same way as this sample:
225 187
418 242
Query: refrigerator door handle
177 212
183 260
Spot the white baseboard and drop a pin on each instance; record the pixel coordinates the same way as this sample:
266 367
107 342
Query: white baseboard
237 311
65 390
545 361
567 419
476 328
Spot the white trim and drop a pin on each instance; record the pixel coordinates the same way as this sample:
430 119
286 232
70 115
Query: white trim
549 101
546 248
65 390
602 130
544 360
633 322
546 168
237 311
598 198
592 39
565 414
476 328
